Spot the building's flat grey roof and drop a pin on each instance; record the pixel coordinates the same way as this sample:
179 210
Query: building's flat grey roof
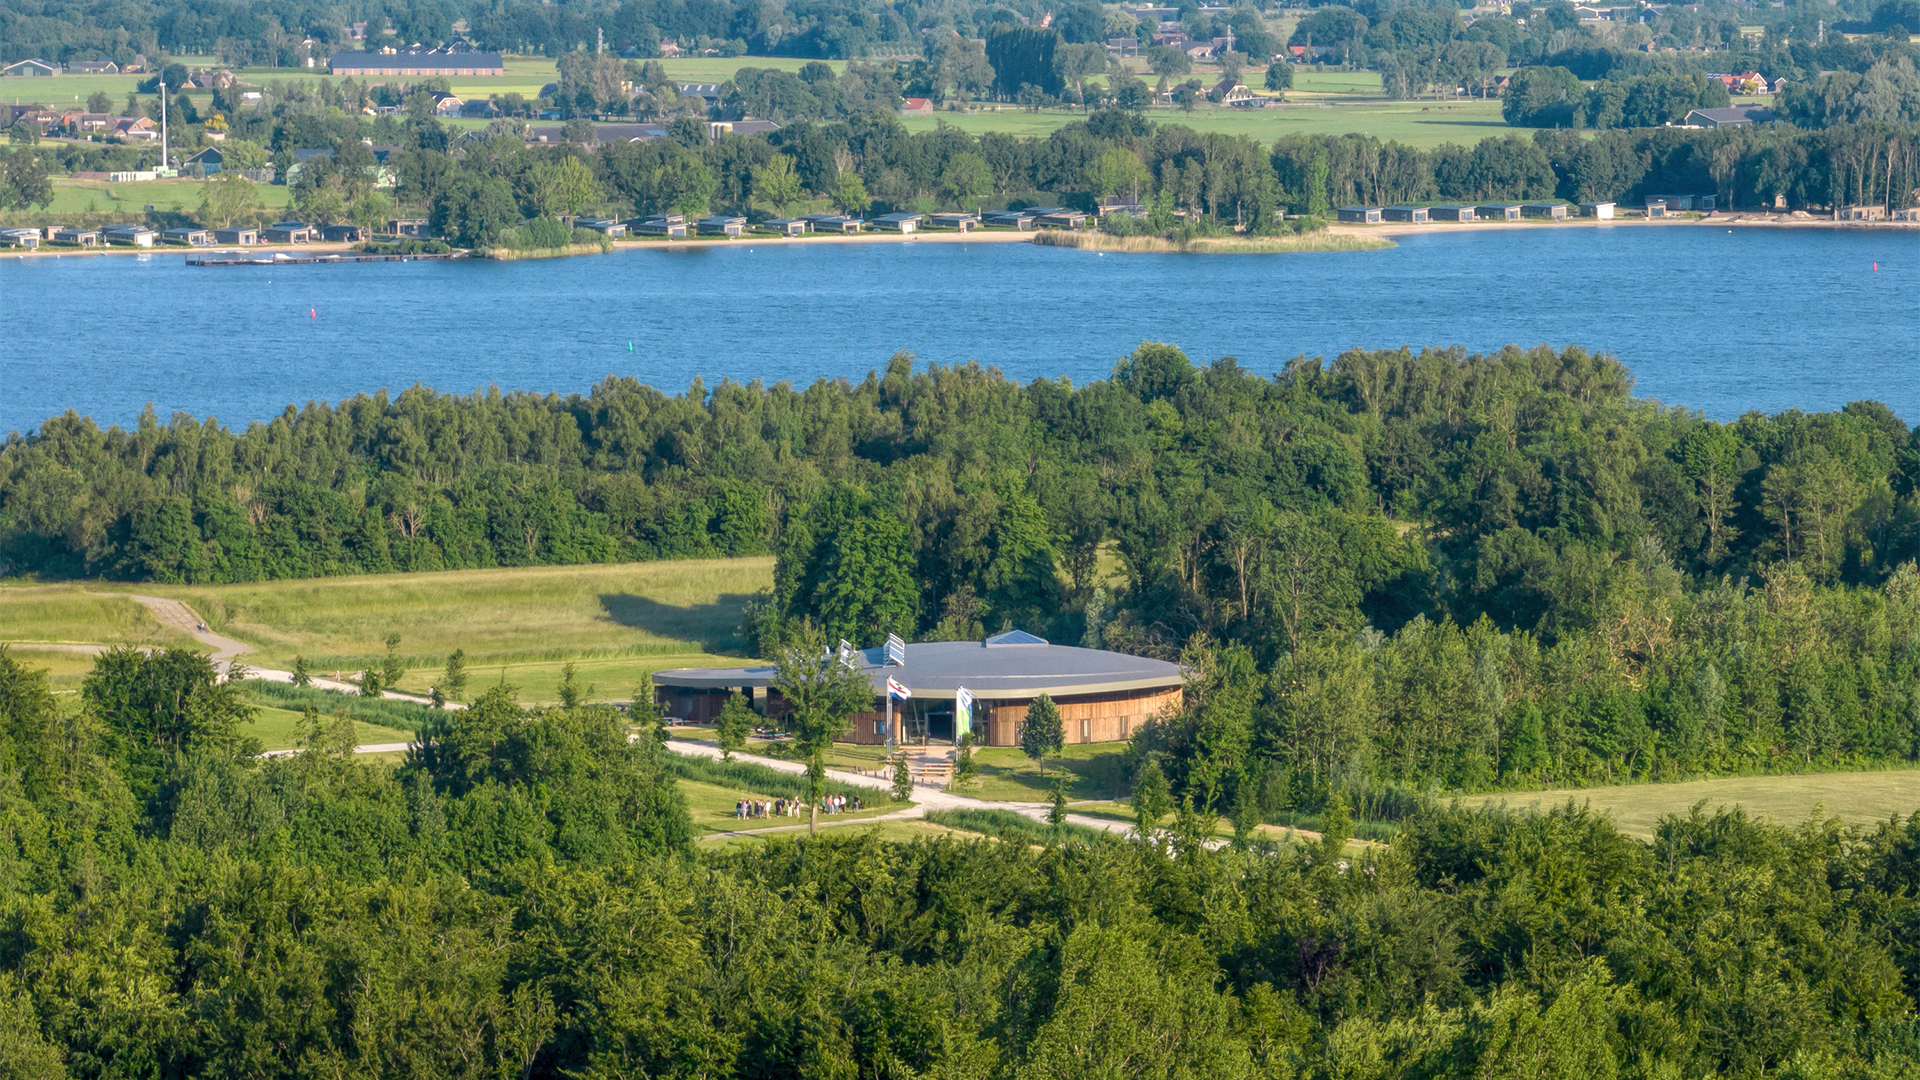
991 671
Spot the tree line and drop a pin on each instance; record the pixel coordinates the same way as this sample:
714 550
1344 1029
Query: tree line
521 896
484 191
1430 48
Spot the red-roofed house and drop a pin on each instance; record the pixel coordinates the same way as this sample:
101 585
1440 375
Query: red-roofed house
917 106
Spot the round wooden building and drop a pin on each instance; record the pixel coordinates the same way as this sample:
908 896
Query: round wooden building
1103 696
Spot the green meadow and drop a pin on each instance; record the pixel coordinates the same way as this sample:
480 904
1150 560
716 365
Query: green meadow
1421 124
100 196
616 623
78 614
1861 798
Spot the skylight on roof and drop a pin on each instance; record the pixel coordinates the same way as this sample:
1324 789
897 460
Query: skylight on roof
1015 637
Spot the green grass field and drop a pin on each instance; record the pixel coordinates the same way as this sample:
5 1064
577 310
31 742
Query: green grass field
1421 124
1006 775
64 670
99 196
1855 798
616 623
538 614
73 614
276 729
712 808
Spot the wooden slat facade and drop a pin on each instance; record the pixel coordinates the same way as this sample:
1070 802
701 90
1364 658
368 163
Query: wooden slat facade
1093 718
1087 719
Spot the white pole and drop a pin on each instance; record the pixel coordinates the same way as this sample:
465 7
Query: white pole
163 123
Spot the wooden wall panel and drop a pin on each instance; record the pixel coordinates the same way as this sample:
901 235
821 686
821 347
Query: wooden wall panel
1094 718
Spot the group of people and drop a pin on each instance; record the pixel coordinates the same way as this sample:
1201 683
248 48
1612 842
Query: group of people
764 808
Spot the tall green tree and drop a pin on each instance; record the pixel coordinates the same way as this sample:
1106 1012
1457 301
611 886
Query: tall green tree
1043 732
819 696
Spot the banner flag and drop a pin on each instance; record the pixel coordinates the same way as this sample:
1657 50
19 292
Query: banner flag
962 712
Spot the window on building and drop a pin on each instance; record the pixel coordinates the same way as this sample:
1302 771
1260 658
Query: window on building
1086 731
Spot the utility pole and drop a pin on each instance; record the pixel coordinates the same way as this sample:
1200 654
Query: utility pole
163 122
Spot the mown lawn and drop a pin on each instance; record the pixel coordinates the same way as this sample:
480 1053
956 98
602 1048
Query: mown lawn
1860 798
1007 775
712 808
72 197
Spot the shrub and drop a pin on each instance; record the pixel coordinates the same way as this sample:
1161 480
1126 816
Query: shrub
1007 825
404 715
759 778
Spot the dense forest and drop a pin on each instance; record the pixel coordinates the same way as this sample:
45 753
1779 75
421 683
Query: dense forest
520 897
1398 569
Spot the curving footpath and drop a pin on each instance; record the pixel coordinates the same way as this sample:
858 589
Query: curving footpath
227 651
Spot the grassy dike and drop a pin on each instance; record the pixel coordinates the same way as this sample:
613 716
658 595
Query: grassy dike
1213 245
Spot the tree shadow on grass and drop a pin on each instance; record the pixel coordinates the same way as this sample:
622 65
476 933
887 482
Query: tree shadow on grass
1100 777
714 627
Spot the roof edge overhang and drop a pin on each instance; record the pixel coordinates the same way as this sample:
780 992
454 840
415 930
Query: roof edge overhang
726 679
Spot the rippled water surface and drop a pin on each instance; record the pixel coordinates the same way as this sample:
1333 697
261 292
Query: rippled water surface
1722 321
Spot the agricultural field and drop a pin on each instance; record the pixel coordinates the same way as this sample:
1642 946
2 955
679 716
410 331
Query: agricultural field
525 75
1419 124
1861 798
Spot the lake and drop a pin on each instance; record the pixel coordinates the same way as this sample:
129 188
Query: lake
1717 320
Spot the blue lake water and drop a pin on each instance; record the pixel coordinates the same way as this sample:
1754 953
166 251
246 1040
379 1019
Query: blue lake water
1717 320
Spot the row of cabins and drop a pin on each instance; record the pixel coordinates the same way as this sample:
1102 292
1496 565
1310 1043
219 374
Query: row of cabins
1657 206
284 232
678 227
128 235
